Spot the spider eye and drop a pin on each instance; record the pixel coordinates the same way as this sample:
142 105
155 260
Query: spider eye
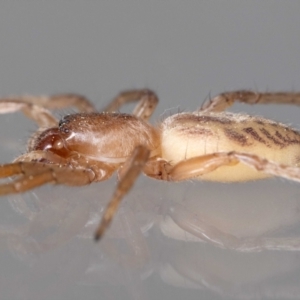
51 140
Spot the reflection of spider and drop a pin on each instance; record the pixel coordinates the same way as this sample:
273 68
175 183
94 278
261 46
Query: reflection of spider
207 144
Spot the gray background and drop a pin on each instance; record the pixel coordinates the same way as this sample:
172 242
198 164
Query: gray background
185 51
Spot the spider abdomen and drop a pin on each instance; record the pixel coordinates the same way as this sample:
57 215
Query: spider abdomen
188 135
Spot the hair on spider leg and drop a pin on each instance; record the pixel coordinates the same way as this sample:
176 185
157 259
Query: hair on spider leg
19 150
207 99
66 112
169 112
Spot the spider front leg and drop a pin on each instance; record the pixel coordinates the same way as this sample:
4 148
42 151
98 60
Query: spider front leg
225 100
147 99
30 163
35 174
38 167
131 170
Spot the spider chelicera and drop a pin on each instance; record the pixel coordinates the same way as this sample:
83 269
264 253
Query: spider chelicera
207 144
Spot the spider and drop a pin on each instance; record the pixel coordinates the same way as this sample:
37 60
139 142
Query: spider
207 144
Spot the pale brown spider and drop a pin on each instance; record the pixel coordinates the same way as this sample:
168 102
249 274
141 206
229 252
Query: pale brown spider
208 144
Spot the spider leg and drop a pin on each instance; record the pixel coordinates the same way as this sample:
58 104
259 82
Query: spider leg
37 113
268 167
57 101
189 168
197 166
11 169
225 100
132 169
60 101
30 163
37 174
147 102
40 156
21 168
27 182
193 223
